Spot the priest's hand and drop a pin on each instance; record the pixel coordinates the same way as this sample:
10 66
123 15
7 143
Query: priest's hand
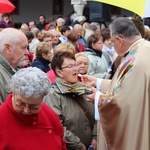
89 80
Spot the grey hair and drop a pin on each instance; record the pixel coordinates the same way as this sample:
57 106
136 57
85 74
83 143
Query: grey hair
24 26
35 31
9 36
123 27
81 54
60 20
81 18
30 82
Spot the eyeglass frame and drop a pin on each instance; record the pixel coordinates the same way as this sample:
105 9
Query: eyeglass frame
23 106
116 37
71 66
112 41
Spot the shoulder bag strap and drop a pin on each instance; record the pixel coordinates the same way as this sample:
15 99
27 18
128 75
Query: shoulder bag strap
85 111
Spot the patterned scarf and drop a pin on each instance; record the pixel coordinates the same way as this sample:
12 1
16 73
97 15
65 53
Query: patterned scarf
75 88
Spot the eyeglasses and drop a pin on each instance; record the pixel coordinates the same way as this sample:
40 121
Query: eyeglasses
70 66
112 42
31 107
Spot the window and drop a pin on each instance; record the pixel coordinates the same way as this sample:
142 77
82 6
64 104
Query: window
58 7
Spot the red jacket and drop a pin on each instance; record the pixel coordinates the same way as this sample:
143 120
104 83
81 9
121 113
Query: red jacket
42 131
79 47
51 76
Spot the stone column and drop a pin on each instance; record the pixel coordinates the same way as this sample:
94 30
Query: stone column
78 6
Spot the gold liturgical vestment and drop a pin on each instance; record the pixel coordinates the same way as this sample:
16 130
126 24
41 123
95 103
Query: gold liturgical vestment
125 114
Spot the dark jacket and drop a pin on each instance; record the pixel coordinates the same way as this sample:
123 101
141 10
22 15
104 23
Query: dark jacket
74 23
41 26
41 63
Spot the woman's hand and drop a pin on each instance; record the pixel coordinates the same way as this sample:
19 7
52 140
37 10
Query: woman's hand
91 97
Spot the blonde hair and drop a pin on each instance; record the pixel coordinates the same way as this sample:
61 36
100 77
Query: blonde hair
65 47
81 54
86 25
42 47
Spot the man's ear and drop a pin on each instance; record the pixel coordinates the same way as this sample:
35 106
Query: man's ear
7 49
59 73
119 40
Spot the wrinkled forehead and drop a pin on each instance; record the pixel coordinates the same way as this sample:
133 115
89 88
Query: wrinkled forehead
19 98
54 34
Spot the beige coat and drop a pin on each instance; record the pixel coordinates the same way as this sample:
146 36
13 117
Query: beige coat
77 130
125 118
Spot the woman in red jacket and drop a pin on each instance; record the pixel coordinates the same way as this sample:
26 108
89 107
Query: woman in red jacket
25 122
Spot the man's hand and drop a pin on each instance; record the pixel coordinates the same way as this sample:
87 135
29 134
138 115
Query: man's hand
89 80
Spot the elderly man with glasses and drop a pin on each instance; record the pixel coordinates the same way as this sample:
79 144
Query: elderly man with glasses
124 109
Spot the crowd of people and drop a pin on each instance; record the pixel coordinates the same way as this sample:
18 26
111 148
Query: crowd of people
71 85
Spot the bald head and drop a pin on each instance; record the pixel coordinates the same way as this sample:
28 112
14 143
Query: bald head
77 26
55 37
10 36
78 29
24 27
13 44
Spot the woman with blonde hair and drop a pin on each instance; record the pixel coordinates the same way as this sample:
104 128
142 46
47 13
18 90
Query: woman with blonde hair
65 47
43 56
82 62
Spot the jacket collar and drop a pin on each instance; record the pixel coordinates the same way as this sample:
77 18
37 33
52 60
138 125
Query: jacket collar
94 51
6 64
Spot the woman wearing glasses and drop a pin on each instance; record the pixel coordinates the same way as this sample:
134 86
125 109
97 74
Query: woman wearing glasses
25 122
67 98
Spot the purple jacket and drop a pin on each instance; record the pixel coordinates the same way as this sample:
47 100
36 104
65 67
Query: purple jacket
8 25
